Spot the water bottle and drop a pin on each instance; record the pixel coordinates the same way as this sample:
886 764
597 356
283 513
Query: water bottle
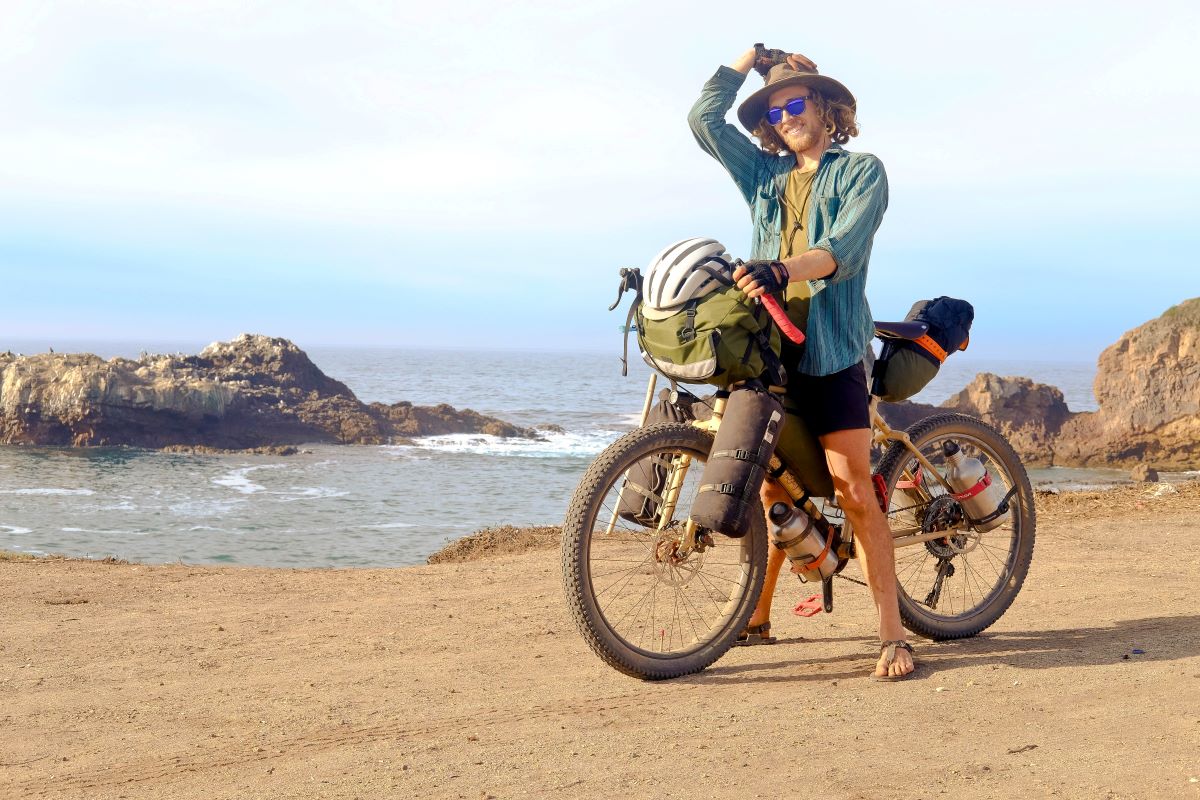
974 488
794 533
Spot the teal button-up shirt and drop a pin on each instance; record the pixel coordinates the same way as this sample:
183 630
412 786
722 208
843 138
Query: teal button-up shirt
849 196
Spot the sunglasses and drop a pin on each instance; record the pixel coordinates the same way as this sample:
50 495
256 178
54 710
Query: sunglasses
794 107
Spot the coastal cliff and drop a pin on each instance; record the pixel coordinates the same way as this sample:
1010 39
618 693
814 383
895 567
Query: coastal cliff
254 391
1148 388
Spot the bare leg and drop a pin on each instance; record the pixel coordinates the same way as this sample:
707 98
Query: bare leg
771 492
849 457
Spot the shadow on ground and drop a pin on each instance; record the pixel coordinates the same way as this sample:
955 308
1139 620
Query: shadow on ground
1158 639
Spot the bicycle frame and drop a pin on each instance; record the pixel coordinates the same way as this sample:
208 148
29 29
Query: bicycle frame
881 435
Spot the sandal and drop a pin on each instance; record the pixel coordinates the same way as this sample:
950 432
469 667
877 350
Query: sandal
890 649
755 635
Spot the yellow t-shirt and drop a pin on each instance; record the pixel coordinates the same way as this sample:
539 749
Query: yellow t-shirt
794 240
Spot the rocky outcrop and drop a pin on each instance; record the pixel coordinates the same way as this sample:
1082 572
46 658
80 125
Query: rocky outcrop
252 392
405 419
902 416
1148 388
1030 415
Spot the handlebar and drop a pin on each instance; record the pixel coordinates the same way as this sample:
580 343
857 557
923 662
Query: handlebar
786 326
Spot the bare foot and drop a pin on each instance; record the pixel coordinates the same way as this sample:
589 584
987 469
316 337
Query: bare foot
895 661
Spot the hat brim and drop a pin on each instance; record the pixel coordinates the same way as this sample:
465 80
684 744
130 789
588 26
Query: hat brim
751 112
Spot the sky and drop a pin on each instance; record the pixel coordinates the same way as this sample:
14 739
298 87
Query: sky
401 174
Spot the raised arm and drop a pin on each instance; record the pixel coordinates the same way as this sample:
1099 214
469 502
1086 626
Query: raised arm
735 151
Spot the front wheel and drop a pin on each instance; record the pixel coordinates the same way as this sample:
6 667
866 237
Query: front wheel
648 604
958 584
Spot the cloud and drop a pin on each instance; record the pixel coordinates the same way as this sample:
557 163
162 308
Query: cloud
403 148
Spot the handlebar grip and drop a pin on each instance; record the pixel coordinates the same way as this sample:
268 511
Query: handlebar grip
788 328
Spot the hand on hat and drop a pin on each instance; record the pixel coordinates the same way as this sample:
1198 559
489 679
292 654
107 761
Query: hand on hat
802 63
764 58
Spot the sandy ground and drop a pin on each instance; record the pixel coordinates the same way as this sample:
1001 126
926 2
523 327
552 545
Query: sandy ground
467 680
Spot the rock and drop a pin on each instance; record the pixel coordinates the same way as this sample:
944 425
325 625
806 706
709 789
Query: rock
1143 473
1030 415
906 414
253 393
492 542
1148 388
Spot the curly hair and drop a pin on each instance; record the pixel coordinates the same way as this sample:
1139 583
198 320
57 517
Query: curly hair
838 119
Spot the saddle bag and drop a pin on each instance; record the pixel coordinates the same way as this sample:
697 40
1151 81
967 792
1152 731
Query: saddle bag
906 366
743 447
644 483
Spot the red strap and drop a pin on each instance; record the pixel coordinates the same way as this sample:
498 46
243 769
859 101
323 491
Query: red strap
809 566
915 483
984 483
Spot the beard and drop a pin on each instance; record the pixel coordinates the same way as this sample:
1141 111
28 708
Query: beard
800 140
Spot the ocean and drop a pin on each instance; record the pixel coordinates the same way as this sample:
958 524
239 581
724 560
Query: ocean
343 506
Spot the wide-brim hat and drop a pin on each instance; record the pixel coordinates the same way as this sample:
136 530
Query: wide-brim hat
750 113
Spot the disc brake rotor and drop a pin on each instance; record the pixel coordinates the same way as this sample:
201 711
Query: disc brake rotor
670 565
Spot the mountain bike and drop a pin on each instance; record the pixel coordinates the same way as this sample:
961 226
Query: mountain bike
663 597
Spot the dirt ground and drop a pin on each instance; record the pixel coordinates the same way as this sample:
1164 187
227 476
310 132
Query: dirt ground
468 680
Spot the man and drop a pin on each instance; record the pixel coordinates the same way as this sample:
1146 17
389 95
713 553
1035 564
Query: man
815 208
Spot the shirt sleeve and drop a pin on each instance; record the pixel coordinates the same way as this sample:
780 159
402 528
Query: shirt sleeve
861 204
735 151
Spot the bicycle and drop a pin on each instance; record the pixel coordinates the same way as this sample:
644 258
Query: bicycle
664 598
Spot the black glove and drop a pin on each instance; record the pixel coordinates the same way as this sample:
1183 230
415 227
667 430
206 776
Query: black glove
764 59
771 276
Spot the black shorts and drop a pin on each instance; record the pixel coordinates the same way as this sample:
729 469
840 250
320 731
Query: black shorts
828 403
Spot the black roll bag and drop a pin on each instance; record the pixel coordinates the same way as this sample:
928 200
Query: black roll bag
737 465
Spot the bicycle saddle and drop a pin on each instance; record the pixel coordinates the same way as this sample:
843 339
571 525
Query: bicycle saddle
900 330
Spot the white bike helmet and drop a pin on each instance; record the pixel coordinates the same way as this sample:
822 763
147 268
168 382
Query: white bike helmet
682 272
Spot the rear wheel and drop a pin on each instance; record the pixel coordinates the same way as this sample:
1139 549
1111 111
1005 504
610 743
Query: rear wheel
956 585
644 602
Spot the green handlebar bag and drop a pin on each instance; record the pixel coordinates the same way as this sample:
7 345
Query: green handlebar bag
718 339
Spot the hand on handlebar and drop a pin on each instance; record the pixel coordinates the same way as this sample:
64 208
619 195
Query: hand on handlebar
757 278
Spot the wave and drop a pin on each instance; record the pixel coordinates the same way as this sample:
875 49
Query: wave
237 480
551 445
204 508
388 525
48 490
14 529
125 504
309 493
107 533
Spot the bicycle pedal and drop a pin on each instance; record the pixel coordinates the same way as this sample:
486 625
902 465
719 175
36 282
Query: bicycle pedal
809 607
